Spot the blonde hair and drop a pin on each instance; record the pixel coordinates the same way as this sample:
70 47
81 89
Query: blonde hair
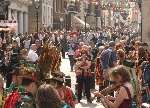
121 71
1 78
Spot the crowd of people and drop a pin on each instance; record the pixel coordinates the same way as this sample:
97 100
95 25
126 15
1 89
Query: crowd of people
109 58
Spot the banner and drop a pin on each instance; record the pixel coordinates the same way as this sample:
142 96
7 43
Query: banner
8 24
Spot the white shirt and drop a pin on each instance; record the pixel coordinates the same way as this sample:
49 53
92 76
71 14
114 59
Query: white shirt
27 43
40 36
32 56
18 41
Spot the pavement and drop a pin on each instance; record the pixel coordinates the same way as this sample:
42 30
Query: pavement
65 67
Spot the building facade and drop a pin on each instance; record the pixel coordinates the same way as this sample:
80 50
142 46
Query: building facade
91 10
145 20
18 11
45 15
60 14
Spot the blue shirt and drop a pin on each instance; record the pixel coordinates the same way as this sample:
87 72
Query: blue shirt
108 57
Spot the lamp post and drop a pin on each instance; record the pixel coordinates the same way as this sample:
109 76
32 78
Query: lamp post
85 20
61 23
37 5
140 3
96 14
85 17
66 21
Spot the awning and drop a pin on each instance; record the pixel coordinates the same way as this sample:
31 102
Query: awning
7 29
77 22
8 25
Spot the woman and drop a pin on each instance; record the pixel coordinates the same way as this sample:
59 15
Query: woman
65 93
121 56
47 97
124 93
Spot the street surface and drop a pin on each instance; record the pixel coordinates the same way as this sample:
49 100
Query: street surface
65 67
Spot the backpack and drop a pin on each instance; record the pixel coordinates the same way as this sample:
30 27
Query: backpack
106 57
12 100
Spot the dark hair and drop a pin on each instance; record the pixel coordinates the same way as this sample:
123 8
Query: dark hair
121 71
121 55
27 81
47 97
133 42
142 52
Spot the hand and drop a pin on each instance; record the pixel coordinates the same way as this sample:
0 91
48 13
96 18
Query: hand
98 94
110 97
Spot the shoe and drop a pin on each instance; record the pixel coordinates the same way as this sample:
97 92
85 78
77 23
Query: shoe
79 100
89 101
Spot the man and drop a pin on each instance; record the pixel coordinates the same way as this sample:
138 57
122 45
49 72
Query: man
18 40
38 47
108 59
64 44
27 98
94 39
83 75
71 53
32 55
27 42
23 94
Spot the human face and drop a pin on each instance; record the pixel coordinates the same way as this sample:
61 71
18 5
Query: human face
14 79
34 47
19 80
14 44
117 78
83 55
33 88
83 59
54 84
1 83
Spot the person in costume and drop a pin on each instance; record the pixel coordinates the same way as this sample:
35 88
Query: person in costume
27 98
83 74
124 94
23 95
12 62
65 93
16 80
48 97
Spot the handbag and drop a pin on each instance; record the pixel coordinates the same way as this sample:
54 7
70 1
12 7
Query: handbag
128 63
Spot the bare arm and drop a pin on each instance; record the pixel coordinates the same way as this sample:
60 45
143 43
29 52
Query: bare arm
119 99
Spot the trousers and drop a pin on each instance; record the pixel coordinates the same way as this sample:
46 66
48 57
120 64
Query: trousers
83 86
